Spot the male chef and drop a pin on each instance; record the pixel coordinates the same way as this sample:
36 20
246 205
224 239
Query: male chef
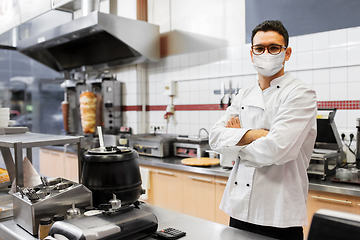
270 129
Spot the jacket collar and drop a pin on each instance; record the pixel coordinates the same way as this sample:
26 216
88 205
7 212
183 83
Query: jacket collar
281 81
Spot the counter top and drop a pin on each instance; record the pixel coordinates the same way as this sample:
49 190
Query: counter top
195 228
175 164
314 183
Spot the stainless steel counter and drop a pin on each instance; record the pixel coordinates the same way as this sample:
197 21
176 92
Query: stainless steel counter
314 183
195 228
175 164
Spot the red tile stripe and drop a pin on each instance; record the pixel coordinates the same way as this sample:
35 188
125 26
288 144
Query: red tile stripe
340 105
137 108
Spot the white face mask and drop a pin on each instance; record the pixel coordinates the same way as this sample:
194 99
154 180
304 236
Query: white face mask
267 64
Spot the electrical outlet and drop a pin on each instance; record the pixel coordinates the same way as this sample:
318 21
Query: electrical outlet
347 135
157 128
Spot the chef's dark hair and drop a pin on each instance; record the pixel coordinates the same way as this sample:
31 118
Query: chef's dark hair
272 25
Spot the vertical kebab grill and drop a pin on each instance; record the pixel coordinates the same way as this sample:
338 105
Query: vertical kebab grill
88 111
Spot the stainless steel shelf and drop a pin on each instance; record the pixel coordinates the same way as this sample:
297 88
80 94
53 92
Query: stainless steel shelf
29 140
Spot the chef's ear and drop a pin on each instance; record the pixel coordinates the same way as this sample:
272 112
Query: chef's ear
251 55
288 52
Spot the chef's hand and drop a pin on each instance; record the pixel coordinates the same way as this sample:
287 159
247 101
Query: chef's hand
233 123
251 136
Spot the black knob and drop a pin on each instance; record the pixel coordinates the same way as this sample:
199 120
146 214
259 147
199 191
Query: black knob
108 105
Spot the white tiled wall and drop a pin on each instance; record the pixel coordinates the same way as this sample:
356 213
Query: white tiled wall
327 61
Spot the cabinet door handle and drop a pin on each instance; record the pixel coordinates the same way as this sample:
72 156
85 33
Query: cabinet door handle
45 151
55 153
331 200
71 156
200 179
221 182
164 172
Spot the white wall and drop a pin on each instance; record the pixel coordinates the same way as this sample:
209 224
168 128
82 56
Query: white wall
190 26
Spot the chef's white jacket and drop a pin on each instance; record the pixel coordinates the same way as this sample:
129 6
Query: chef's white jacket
268 184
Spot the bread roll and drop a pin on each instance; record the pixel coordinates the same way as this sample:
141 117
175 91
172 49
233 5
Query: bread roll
88 111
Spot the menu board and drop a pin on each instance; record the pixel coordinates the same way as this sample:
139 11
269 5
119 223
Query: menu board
9 15
30 9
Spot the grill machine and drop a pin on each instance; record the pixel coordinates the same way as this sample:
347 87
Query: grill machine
327 153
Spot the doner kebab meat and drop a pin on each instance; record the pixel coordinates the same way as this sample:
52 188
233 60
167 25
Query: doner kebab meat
88 111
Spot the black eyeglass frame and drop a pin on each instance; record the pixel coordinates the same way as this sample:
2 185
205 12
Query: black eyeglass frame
267 47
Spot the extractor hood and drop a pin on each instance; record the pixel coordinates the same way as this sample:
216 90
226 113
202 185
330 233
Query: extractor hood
99 40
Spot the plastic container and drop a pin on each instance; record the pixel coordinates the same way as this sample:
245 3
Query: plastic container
343 174
44 227
354 175
58 217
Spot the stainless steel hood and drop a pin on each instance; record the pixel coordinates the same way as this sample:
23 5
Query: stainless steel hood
98 39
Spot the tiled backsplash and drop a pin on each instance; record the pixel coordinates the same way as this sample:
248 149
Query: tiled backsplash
328 61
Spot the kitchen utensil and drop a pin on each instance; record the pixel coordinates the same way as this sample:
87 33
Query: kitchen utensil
32 195
21 191
44 181
114 170
222 94
101 139
230 93
200 161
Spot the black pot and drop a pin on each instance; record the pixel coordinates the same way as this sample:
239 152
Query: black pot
114 170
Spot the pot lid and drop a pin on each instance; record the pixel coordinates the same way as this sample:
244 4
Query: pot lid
109 150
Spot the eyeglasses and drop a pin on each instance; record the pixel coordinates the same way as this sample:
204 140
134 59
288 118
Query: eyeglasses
273 49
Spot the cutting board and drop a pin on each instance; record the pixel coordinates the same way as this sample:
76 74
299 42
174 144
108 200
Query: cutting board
200 161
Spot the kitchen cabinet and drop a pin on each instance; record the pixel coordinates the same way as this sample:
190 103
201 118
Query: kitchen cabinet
199 195
357 205
220 216
194 194
323 200
58 164
51 163
71 167
165 188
